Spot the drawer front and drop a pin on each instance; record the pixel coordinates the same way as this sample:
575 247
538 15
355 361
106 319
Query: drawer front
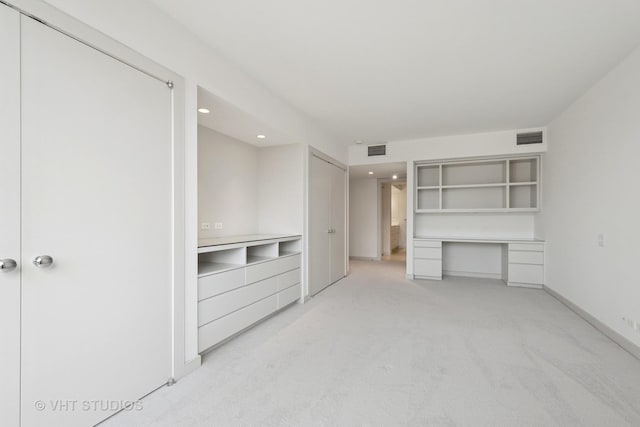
526 273
214 332
521 257
221 305
529 247
289 279
427 253
427 267
215 284
267 269
288 296
427 243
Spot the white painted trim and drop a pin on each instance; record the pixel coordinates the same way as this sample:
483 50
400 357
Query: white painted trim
78 30
623 342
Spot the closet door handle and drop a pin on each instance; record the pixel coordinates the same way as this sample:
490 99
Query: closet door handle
7 265
42 261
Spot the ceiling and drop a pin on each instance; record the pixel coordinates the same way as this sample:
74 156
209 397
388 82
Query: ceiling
229 120
380 171
402 69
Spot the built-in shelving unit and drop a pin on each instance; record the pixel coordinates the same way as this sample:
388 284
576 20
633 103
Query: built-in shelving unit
492 185
242 280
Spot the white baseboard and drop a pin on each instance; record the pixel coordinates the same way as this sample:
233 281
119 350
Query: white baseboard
610 333
472 274
189 367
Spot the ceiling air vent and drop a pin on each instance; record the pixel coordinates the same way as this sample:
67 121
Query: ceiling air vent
377 150
529 138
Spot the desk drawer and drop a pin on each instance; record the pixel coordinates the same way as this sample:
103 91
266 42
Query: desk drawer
427 243
272 268
427 253
288 296
530 247
288 279
215 284
221 329
221 305
526 273
427 268
522 257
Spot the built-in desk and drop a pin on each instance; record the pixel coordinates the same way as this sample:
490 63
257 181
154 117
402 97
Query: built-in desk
522 261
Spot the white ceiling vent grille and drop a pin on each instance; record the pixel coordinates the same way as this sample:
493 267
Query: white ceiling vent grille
377 150
529 138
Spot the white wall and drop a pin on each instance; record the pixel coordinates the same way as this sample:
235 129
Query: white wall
490 144
363 218
591 179
281 189
227 184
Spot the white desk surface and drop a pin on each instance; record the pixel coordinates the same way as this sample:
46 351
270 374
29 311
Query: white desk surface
230 240
477 240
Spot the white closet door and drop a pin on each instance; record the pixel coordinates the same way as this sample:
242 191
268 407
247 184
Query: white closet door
338 214
96 174
10 216
320 214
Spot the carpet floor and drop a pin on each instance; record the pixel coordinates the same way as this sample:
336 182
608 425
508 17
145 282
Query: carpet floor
376 349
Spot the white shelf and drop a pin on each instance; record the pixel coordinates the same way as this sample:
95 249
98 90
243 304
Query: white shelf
207 268
486 186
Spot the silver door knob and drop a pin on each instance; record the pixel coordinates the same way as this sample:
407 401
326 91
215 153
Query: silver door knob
42 261
7 265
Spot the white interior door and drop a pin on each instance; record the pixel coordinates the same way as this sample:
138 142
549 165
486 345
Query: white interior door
97 198
319 225
9 216
338 223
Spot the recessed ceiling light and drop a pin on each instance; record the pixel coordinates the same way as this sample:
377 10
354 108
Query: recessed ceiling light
370 172
358 141
395 177
203 110
261 136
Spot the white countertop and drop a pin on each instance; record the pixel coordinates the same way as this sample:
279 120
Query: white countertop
230 240
463 239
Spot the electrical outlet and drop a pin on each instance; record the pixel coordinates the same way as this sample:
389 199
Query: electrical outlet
217 226
601 240
205 226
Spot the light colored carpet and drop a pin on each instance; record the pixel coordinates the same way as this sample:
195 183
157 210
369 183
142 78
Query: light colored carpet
378 350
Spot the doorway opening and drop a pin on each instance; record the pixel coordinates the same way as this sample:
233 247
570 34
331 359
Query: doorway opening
393 220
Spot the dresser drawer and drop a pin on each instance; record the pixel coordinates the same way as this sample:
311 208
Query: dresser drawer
221 329
526 273
289 279
522 257
288 296
427 268
221 305
427 253
530 247
427 243
215 284
272 268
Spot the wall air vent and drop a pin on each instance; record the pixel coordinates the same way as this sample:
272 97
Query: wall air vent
529 138
377 150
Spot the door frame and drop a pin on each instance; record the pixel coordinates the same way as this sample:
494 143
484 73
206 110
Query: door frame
309 154
381 182
71 27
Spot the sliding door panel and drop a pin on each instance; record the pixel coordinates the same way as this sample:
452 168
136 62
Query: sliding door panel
97 199
338 220
9 216
319 225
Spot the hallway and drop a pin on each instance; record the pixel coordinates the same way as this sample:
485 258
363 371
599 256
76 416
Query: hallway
376 349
